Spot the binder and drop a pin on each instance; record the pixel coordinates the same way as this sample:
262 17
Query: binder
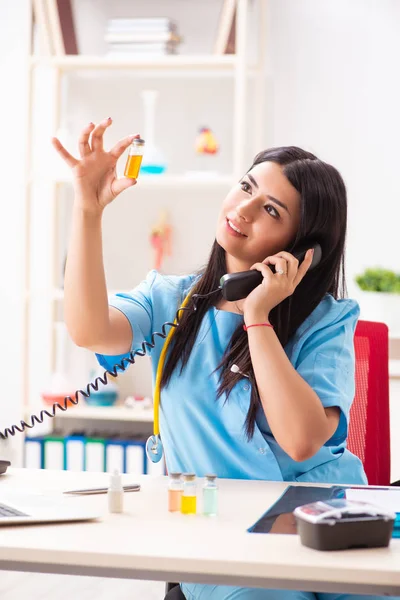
115 456
54 452
95 458
75 453
33 453
135 460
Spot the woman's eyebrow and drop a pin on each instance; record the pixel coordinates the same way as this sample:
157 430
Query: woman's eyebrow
253 181
278 202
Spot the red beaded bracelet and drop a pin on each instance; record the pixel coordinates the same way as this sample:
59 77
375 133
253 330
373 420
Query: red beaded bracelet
245 327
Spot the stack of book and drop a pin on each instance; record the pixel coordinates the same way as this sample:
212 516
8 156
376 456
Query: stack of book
141 37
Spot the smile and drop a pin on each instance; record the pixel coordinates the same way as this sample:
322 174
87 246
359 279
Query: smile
233 229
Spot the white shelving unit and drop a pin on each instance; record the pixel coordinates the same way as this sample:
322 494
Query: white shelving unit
174 63
49 80
108 413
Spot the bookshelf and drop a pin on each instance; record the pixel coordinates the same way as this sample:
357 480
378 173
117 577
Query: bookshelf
108 413
62 85
172 63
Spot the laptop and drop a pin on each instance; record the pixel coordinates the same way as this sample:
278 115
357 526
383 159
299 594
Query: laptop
21 507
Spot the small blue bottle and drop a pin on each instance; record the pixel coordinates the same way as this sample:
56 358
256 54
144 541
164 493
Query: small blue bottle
210 496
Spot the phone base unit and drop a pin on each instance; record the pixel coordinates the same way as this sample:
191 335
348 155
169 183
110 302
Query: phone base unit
341 524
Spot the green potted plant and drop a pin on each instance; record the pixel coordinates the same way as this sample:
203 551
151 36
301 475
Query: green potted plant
380 296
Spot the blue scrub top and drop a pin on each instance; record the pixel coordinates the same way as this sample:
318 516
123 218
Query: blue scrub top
204 434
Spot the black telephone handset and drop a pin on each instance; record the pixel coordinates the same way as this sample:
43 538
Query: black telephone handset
236 286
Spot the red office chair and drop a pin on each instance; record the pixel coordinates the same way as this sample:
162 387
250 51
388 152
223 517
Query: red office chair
369 432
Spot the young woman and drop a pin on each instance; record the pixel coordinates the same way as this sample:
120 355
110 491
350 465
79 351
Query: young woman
288 419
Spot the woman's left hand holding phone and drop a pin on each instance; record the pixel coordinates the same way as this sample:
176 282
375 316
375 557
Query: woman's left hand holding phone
275 287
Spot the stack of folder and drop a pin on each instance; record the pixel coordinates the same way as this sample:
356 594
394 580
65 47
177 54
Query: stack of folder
84 453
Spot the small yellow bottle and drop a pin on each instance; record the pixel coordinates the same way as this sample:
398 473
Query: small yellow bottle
134 160
189 497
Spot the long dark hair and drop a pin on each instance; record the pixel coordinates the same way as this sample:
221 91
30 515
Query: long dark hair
323 219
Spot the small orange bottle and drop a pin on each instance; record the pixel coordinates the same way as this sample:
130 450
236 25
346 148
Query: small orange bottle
134 159
175 488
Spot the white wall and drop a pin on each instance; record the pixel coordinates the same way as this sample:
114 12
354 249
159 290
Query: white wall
336 92
394 427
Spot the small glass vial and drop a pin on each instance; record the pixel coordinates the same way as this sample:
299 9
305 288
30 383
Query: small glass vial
175 489
188 504
134 160
115 493
210 496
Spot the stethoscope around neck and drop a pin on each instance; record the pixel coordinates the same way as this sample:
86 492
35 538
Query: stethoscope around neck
154 447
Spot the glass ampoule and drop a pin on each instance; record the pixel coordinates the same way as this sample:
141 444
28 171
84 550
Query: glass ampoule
210 496
189 497
175 489
134 160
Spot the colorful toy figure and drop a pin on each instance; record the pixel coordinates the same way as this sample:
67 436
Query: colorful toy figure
160 239
206 142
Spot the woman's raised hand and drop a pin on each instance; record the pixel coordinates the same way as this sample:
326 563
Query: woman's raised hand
95 177
275 287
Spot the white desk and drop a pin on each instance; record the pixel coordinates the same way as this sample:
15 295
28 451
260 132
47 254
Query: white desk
147 542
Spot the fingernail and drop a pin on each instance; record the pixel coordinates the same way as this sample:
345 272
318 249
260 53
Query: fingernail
109 119
312 251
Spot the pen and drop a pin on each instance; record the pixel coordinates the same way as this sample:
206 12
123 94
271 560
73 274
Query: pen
135 487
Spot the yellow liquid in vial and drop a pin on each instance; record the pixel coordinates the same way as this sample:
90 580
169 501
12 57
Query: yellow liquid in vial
133 166
188 505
